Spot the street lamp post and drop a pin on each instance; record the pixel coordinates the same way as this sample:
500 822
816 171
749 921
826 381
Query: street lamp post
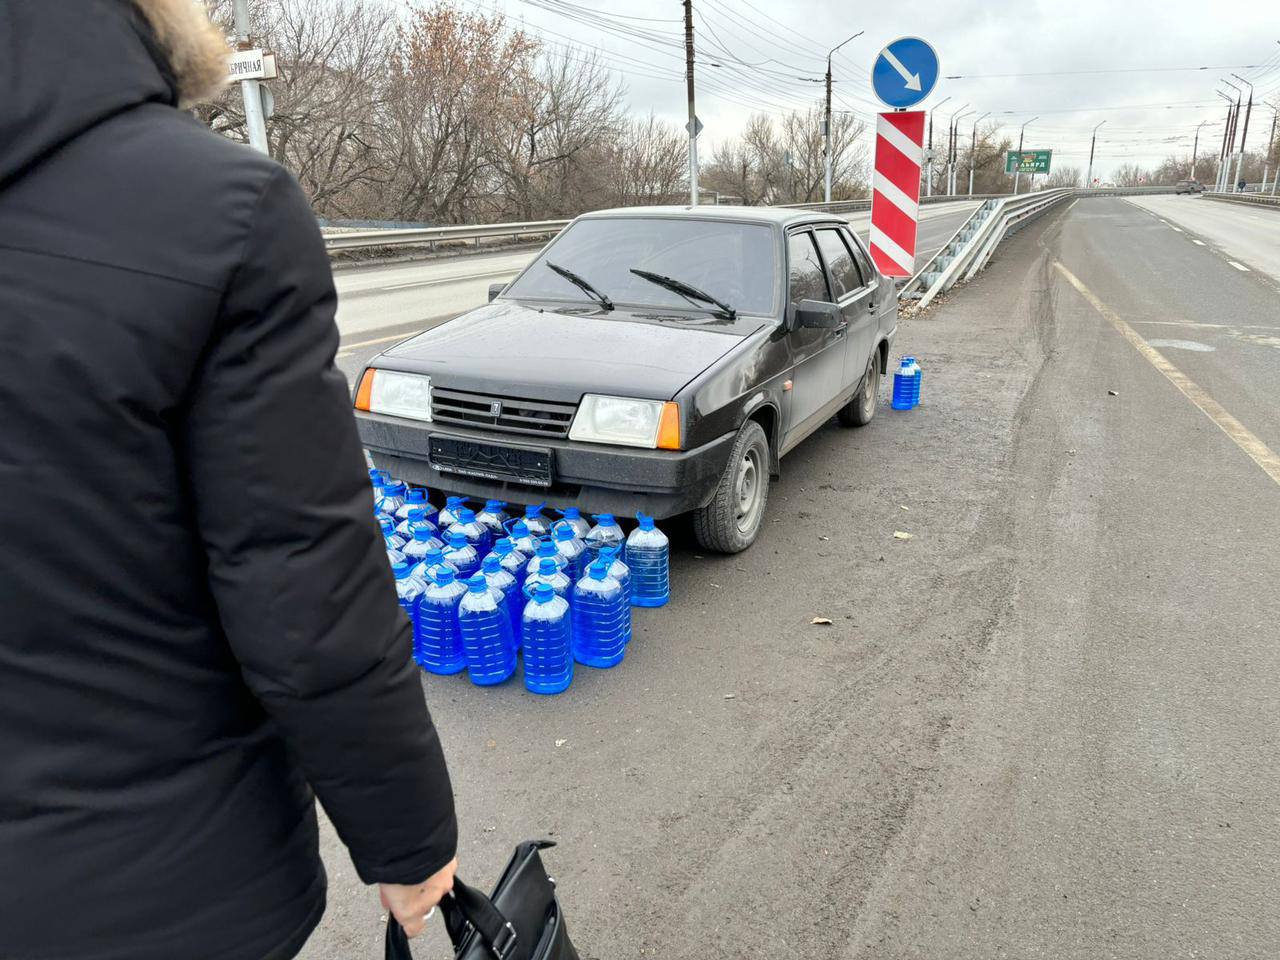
827 126
1195 146
928 183
1088 177
1226 133
1266 157
955 153
1228 184
951 145
1017 170
1244 134
973 148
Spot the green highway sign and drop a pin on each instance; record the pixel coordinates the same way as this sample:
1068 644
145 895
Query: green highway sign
1027 161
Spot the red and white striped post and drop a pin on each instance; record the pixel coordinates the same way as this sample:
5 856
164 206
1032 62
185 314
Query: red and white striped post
895 198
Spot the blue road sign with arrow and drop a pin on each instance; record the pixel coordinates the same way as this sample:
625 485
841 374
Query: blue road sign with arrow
905 72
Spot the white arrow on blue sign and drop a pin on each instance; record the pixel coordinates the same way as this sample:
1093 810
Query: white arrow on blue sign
905 72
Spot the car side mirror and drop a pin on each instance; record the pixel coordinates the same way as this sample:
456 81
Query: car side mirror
817 314
495 291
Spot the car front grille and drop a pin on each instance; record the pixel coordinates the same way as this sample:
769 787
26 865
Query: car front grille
535 418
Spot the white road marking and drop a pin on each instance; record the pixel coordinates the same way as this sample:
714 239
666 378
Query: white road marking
1179 229
1239 266
1197 242
1193 345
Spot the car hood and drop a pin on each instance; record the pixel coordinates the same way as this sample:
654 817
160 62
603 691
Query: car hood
554 352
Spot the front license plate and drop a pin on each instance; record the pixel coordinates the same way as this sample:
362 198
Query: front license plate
489 461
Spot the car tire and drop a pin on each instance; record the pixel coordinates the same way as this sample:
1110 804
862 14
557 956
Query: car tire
732 520
859 411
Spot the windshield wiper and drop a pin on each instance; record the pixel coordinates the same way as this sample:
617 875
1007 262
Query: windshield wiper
581 284
685 290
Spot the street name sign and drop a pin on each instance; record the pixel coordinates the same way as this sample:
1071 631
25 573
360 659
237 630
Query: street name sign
251 65
905 72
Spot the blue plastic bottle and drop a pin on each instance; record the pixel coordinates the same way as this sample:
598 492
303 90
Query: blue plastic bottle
606 533
549 572
917 375
545 635
475 532
417 518
618 568
545 550
409 591
394 540
600 615
487 640
511 559
423 540
394 557
573 517
414 497
523 539
392 499
433 558
494 519
539 525
649 557
571 547
438 639
509 589
903 386
459 552
448 516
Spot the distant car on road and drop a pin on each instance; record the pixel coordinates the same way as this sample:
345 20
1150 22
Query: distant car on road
658 359
1188 186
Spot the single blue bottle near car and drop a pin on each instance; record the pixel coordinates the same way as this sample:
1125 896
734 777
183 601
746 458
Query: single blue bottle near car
392 499
494 519
487 640
512 560
438 640
648 555
570 546
573 517
523 538
618 569
917 375
448 514
506 584
434 557
601 616
476 533
538 524
393 539
545 635
903 386
417 518
605 533
462 554
545 549
423 540
414 498
549 572
408 591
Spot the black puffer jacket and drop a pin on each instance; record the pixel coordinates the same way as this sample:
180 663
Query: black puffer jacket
197 621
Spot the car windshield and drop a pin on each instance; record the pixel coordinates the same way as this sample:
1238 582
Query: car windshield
734 262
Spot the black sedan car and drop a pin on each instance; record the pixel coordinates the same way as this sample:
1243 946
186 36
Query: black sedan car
651 359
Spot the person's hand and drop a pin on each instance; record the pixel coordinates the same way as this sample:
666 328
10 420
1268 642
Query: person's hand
410 904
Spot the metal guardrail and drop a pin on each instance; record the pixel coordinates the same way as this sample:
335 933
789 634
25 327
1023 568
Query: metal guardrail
1122 191
972 245
399 238
849 206
1257 199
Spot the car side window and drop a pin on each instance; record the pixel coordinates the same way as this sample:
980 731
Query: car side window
865 266
844 275
807 279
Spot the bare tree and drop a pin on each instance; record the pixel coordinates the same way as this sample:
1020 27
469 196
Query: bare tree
1063 177
646 164
1131 175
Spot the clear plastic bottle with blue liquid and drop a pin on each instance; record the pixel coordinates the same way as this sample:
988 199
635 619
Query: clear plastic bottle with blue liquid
394 540
417 518
438 640
545 549
605 533
511 559
392 499
476 533
545 635
570 546
903 386
487 639
523 539
601 616
430 560
548 571
648 555
506 585
423 540
414 498
408 591
917 380
494 518
459 551
573 517
619 570
448 514
538 524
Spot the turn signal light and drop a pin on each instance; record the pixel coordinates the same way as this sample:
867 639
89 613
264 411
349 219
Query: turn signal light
669 427
365 392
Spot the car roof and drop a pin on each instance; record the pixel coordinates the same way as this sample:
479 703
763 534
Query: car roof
779 216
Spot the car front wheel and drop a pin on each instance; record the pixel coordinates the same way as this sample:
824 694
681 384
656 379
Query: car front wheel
731 521
859 410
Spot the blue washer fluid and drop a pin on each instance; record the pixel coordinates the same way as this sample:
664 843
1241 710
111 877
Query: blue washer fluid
620 572
539 525
448 514
477 533
548 571
570 546
417 518
494 519
434 557
423 540
508 588
438 639
545 550
392 499
459 552
523 538
649 557
600 616
545 635
903 385
394 540
487 640
409 592
414 498
606 533
573 517
917 379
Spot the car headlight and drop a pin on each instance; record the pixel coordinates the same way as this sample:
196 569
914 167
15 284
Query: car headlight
627 422
395 394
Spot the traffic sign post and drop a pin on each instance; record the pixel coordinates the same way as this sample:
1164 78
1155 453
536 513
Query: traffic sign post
895 198
904 73
1027 161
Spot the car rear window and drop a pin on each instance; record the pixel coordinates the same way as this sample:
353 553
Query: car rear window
734 262
807 280
839 263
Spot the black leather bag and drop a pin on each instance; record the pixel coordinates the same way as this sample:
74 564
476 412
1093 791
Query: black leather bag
520 920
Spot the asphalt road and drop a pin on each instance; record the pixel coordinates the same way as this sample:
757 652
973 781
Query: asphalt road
1248 235
381 303
1045 726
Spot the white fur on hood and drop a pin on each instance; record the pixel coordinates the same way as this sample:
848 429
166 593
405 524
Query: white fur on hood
196 49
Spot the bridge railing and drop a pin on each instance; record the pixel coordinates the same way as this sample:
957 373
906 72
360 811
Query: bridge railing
1257 199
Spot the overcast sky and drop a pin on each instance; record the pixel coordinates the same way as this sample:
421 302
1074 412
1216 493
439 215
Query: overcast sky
1149 113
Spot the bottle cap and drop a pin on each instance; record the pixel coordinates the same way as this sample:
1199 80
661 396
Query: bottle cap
534 510
565 532
478 584
548 566
401 569
520 529
492 563
416 495
605 519
571 513
646 522
493 506
433 556
455 539
422 533
442 575
417 513
546 548
503 546
599 570
543 592
454 501
466 515
386 525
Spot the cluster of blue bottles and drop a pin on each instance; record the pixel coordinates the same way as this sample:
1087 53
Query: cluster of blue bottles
906 384
486 589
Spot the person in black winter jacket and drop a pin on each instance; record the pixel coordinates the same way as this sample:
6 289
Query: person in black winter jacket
199 634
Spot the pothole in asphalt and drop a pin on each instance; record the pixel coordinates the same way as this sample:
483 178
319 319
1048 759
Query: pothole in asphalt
1195 345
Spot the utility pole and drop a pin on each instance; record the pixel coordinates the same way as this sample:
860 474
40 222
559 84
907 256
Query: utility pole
826 131
1226 132
1017 170
693 115
1244 134
1271 146
251 90
1228 184
955 153
1088 177
973 148
951 146
1195 146
928 183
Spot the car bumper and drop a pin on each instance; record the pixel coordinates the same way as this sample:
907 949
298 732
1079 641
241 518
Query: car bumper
593 477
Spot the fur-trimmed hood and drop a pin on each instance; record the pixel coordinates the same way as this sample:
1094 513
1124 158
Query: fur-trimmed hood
66 66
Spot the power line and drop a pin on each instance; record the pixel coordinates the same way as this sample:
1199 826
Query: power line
1076 73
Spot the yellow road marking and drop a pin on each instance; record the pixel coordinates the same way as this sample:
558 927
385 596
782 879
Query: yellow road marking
1240 435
